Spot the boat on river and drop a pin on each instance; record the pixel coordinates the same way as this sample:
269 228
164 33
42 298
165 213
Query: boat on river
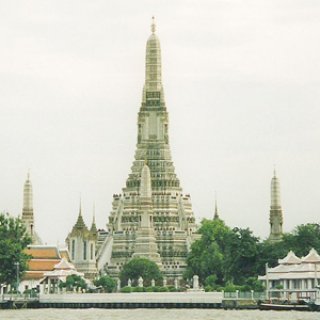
301 306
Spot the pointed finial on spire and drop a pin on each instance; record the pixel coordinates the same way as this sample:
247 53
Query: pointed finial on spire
80 223
274 170
94 213
216 214
153 25
93 225
80 213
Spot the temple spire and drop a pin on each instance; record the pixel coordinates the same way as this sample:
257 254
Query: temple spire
27 210
93 228
27 198
275 191
152 216
153 25
80 222
80 207
153 82
216 214
276 217
94 214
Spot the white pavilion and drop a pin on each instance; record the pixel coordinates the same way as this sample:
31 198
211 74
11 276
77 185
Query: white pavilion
294 278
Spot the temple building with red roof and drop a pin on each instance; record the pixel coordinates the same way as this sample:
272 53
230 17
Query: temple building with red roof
44 259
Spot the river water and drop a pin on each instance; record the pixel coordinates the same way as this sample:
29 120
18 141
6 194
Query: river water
154 314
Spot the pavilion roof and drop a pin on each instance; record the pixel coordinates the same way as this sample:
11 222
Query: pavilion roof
64 265
311 257
290 258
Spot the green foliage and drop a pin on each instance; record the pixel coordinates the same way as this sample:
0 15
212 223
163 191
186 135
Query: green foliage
254 284
208 288
13 240
241 254
211 280
233 258
73 282
163 289
303 238
300 241
172 289
107 283
140 267
222 253
138 289
126 289
156 289
269 253
206 256
230 287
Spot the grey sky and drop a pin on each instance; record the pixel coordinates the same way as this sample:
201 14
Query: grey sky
241 81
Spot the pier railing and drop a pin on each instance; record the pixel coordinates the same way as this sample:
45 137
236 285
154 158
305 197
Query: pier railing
239 295
19 297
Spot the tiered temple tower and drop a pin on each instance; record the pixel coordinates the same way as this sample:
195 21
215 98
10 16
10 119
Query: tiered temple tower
82 247
27 211
276 217
151 217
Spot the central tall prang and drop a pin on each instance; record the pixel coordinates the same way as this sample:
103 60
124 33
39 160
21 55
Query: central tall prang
153 140
151 217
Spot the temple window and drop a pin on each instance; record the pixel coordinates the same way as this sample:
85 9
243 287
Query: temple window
73 244
84 250
91 251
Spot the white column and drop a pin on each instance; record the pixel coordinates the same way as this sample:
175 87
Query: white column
49 285
42 287
291 284
284 284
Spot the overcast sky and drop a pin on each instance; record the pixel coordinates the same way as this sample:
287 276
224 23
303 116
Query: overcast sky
241 81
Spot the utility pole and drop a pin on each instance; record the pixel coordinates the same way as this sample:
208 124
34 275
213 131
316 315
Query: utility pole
17 280
267 281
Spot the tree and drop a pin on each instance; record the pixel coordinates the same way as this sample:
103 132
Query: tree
13 240
107 283
300 241
73 282
269 252
140 267
207 254
303 238
230 255
241 255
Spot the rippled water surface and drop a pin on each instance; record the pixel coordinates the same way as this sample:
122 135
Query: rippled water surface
154 314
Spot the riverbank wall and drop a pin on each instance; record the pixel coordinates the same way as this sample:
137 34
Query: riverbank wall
178 300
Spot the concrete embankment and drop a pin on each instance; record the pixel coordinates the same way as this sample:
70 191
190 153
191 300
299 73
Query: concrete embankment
133 300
